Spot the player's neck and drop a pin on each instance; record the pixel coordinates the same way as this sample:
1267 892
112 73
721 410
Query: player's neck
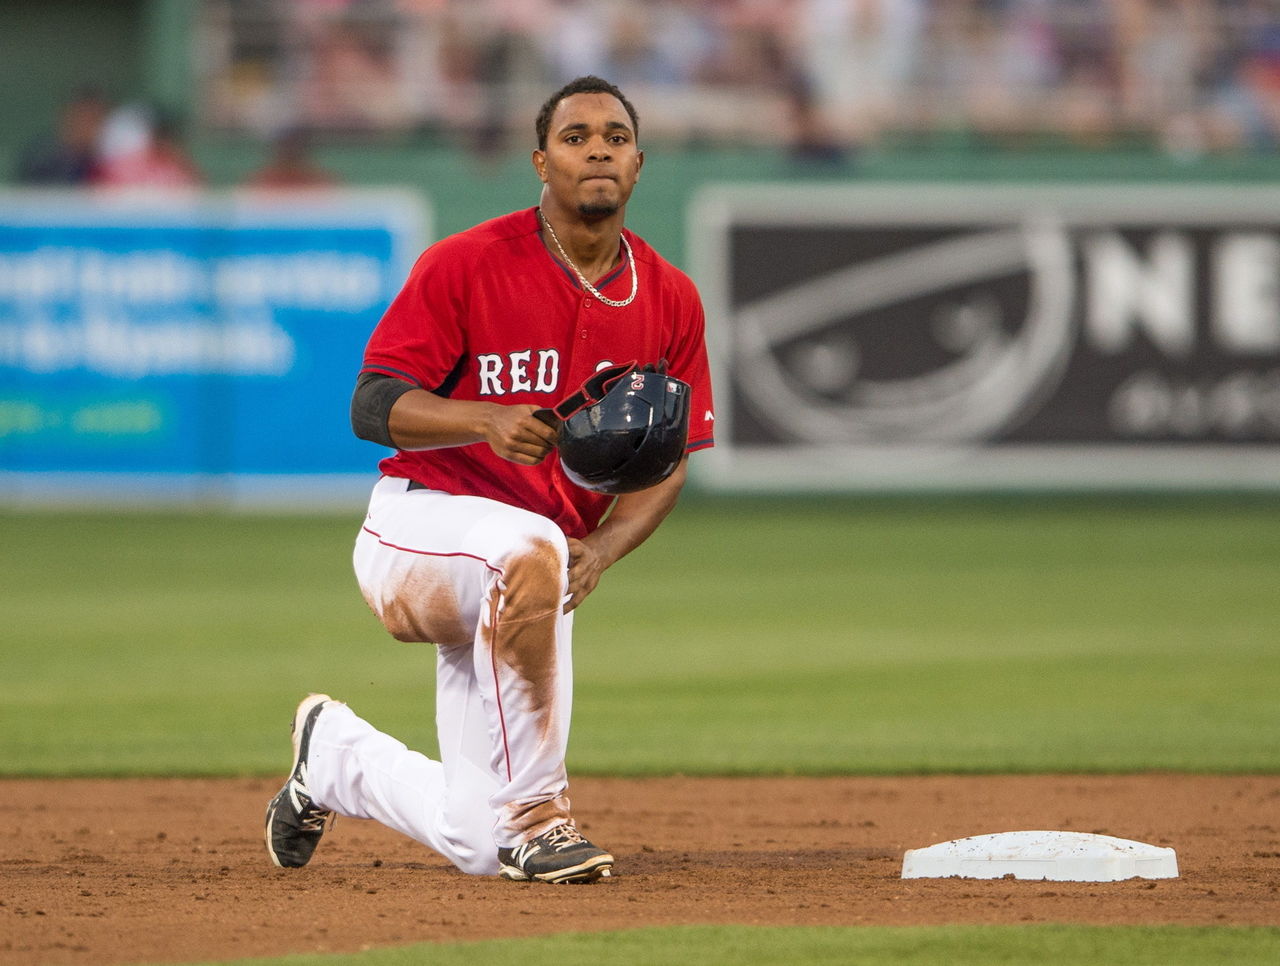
592 245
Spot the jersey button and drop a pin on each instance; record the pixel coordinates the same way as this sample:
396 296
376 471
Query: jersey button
584 334
586 303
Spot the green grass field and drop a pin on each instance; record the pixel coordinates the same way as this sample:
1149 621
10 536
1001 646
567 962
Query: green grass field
749 636
756 946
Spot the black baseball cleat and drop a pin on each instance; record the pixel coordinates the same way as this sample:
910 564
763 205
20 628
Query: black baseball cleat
561 855
294 822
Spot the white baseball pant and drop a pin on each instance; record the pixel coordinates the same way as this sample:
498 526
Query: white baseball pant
486 583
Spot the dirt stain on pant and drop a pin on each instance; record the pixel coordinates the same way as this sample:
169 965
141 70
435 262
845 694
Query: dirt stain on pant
529 819
519 631
423 608
523 624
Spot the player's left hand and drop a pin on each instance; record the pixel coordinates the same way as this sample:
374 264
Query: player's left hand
585 568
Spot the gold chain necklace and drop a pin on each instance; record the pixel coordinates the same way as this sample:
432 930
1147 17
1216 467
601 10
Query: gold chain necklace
635 281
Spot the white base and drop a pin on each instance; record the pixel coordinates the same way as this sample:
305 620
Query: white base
1058 856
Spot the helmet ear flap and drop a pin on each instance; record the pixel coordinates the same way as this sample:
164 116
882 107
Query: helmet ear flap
599 385
631 438
595 388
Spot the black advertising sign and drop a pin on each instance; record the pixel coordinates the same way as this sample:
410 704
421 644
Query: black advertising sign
942 336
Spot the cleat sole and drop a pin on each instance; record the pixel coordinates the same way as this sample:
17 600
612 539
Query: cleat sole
599 867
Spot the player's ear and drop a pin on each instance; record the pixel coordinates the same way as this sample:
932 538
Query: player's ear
539 160
639 163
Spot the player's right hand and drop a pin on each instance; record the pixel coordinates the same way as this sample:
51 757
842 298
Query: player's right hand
516 434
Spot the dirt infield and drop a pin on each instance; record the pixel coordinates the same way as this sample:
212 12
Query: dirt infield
175 870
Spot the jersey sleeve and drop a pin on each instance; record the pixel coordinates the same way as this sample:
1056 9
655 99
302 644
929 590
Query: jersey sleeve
421 336
687 361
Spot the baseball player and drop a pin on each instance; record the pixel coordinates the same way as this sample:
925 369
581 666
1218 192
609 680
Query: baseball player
475 539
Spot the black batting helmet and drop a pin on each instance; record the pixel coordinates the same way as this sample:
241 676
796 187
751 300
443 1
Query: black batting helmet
624 430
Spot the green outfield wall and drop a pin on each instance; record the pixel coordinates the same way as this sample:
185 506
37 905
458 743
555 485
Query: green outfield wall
464 188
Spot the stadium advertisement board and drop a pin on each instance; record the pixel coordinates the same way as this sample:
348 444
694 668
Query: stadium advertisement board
200 347
986 336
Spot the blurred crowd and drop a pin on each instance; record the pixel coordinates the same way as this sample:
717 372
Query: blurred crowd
1189 75
824 78
95 143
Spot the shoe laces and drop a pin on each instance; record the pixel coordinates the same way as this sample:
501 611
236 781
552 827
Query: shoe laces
313 819
563 836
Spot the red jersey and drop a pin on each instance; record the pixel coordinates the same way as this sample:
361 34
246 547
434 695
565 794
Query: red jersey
490 314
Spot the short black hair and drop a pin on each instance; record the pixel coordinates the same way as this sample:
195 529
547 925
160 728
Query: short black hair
587 84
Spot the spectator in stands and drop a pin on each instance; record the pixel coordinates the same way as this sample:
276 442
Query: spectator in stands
350 80
1164 51
69 156
577 40
812 141
290 166
159 159
860 57
1247 109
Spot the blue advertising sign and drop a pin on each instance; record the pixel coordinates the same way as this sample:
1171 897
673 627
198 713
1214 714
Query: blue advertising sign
205 347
